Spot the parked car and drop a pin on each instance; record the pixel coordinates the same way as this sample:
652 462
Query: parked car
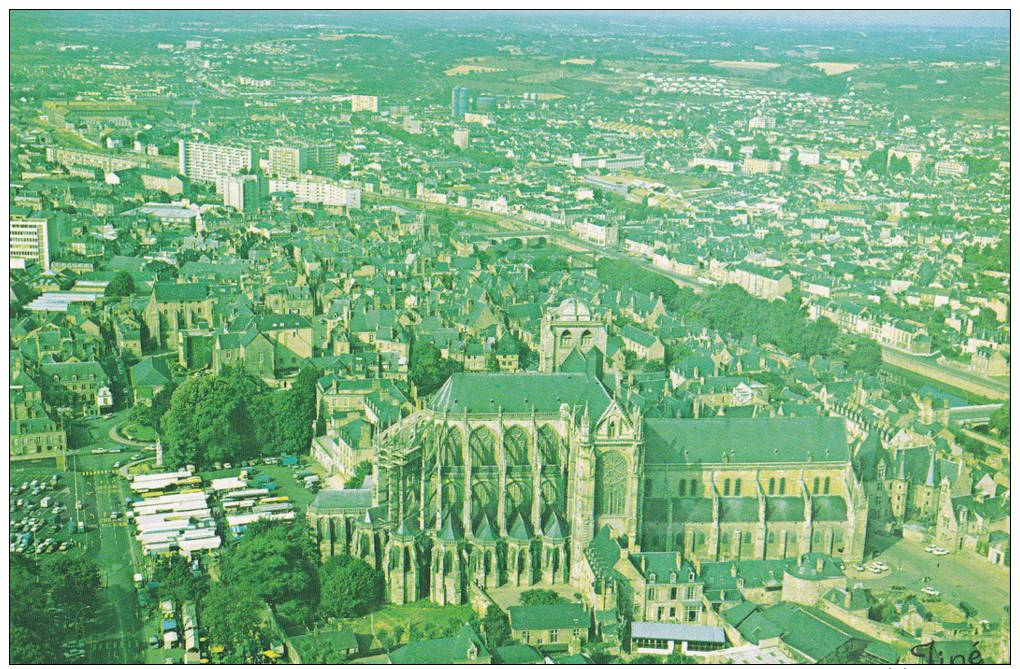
930 591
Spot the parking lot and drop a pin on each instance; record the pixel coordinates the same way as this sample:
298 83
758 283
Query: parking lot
88 492
957 576
42 511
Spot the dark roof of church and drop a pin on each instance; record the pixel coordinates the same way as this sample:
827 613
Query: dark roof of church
745 440
520 393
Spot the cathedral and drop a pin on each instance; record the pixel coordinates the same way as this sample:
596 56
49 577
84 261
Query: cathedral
507 478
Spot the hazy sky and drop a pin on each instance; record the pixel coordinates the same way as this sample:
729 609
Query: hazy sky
998 18
823 19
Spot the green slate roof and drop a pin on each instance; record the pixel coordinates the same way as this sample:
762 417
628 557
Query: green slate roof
828 508
808 631
75 371
327 500
698 510
738 509
451 650
664 567
166 291
745 440
519 393
150 372
882 652
784 508
519 527
602 553
576 658
549 617
343 640
518 653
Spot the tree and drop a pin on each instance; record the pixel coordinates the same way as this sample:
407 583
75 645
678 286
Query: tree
644 659
540 596
121 285
178 581
277 561
73 580
294 416
496 626
899 165
678 657
161 404
205 424
141 414
428 369
385 638
231 616
350 587
32 628
361 470
999 420
215 419
865 356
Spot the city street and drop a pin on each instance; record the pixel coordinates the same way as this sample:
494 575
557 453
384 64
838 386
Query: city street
117 558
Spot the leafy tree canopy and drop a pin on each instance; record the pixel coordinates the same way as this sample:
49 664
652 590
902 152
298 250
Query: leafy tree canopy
350 587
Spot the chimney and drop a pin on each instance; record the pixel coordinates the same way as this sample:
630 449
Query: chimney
733 570
819 562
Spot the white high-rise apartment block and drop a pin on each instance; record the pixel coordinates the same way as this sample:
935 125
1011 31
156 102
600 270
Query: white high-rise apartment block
291 161
205 162
318 190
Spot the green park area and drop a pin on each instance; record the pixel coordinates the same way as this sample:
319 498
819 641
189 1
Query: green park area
420 620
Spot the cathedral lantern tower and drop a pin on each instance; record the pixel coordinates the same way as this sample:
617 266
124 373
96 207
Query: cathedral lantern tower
570 328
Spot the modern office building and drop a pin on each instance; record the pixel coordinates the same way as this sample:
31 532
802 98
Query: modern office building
459 101
203 163
292 160
34 240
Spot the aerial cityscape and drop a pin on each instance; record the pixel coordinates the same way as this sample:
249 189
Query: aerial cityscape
509 337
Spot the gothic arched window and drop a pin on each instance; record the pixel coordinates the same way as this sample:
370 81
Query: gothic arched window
611 484
515 446
549 445
483 447
453 448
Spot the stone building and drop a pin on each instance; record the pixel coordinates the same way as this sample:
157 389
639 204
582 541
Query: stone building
174 307
506 478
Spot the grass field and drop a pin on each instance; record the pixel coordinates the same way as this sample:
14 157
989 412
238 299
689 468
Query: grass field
423 615
282 476
137 432
835 68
